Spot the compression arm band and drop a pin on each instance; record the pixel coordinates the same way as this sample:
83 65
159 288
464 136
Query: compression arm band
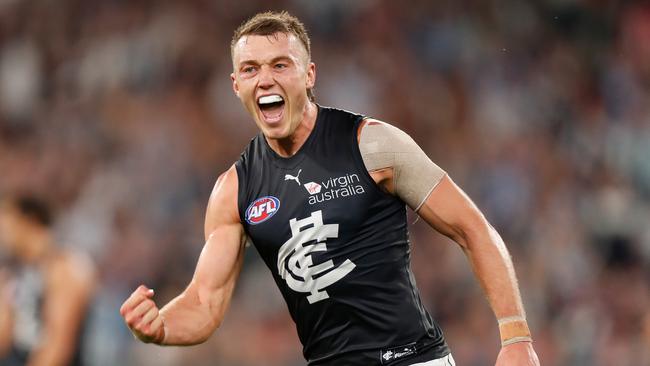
414 174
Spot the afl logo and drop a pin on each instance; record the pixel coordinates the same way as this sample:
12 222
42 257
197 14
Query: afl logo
262 209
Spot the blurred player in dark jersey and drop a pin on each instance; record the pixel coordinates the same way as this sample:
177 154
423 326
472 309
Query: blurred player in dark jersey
44 290
322 195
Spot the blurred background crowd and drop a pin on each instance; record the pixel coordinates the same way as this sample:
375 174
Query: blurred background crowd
121 114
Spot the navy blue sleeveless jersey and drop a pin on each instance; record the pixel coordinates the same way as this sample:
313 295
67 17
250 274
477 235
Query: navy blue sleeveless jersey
338 249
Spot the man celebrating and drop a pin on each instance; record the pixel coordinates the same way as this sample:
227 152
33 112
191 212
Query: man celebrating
321 193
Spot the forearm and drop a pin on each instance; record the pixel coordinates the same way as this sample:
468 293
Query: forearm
492 265
451 212
190 318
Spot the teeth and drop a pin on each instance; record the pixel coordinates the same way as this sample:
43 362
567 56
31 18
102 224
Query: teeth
268 99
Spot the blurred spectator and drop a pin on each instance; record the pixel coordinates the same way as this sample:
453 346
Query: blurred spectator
44 292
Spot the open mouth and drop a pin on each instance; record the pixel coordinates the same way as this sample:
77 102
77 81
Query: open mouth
271 106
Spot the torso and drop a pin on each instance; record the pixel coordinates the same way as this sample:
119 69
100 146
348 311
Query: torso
337 246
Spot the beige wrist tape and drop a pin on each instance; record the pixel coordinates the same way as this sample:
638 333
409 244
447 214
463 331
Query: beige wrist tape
514 329
414 174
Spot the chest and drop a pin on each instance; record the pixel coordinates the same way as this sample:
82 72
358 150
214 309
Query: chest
303 200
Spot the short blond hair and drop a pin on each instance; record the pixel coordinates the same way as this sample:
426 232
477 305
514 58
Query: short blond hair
269 23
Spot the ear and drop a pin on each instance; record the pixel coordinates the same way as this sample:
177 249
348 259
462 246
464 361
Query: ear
235 86
311 75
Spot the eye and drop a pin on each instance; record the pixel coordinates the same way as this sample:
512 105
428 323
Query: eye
248 69
280 66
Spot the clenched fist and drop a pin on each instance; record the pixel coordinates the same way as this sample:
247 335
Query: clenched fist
142 316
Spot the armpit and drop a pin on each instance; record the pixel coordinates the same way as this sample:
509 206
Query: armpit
414 174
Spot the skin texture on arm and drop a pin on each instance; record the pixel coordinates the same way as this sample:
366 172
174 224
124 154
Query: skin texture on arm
70 285
195 314
6 318
451 212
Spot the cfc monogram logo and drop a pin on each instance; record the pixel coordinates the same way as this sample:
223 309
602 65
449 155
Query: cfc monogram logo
295 263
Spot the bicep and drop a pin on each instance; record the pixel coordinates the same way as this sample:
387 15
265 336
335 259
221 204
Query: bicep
451 212
222 256
220 263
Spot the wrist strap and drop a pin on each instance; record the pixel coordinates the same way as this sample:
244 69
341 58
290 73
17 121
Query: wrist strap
514 329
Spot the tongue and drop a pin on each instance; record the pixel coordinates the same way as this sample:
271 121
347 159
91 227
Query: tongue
273 111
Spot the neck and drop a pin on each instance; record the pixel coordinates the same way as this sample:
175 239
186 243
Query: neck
288 146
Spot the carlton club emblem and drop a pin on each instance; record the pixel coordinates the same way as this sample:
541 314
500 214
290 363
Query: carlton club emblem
295 263
262 209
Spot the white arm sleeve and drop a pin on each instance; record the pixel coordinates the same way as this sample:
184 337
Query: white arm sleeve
414 174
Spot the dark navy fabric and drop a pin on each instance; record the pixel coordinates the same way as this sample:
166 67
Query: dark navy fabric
337 247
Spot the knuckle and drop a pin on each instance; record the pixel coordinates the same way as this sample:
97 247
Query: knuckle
130 320
146 330
149 331
154 324
136 328
139 328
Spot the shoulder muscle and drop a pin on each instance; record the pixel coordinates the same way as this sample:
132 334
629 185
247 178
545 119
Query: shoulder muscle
222 207
414 175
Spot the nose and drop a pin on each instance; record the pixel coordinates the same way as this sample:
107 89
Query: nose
266 80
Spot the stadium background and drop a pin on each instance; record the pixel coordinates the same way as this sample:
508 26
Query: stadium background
121 114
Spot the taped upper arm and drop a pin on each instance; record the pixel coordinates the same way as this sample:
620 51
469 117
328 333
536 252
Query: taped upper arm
414 175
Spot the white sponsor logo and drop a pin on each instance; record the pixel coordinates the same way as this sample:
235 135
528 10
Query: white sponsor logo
388 355
333 188
291 177
399 353
295 263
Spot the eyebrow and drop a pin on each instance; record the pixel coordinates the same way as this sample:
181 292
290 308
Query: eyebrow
273 60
